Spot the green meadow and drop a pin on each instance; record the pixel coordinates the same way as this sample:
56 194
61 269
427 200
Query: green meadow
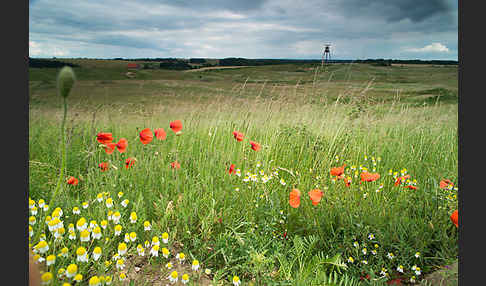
397 121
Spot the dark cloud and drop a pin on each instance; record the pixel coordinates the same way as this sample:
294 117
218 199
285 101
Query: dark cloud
395 10
234 5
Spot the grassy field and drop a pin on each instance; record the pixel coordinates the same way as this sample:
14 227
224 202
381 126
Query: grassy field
398 121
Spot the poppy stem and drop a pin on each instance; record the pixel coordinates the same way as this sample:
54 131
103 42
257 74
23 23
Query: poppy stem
63 160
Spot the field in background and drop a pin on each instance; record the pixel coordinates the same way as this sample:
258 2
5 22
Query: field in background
307 117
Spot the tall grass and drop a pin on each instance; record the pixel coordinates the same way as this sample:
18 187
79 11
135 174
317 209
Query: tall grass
240 231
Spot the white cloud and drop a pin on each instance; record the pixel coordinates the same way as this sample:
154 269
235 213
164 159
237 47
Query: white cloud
37 49
434 48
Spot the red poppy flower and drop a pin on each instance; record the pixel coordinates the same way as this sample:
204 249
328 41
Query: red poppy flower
455 218
411 187
122 144
255 146
315 196
72 181
238 135
146 136
369 177
160 133
103 166
445 183
104 137
232 169
337 171
109 148
347 182
294 198
129 162
176 126
401 179
175 165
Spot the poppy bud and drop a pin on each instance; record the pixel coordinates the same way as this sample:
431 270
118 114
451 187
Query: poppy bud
65 80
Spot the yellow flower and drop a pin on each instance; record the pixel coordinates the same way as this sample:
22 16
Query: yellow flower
46 278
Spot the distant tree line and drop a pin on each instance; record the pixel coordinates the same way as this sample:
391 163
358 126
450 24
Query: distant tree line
48 63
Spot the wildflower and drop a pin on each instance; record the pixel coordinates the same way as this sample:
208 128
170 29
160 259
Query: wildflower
168 265
350 259
383 272
72 181
455 218
50 260
446 184
82 254
109 202
371 236
412 279
155 241
160 134
46 278
175 165
133 217
390 255
238 172
165 252
33 210
236 280
315 196
255 146
364 251
238 136
185 278
146 136
207 271
176 126
356 244
337 171
104 224
116 217
122 276
122 144
294 198
78 278
107 263
42 247
109 147
146 225
364 262
81 224
231 169
400 268
72 235
104 137
122 249
96 253
84 236
181 257
369 177
64 252
147 244
140 250
417 254
97 233
103 166
31 231
61 272
129 162
125 202
155 250
195 265
165 237
94 281
32 220
133 236
173 277
120 264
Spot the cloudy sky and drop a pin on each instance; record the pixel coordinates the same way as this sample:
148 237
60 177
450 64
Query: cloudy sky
296 29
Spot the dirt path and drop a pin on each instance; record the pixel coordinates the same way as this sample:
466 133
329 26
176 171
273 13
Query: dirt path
447 276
